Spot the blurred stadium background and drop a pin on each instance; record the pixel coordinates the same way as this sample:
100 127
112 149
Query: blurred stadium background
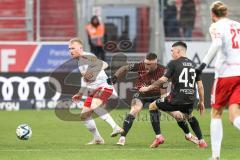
34 35
34 38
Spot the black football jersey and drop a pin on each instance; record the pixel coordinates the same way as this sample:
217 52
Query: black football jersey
183 76
146 78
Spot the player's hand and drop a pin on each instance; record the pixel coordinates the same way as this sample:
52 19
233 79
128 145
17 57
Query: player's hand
164 85
88 76
201 108
112 80
199 69
143 89
77 97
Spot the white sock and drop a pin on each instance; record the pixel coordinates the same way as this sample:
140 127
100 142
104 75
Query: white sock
158 136
122 137
108 118
91 126
236 122
189 135
104 115
216 132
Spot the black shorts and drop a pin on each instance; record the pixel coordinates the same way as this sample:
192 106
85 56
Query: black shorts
167 106
146 100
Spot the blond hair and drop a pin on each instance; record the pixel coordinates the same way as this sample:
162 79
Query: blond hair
76 39
219 9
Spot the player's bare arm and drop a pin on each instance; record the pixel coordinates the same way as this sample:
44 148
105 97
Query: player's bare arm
119 73
201 106
122 71
154 85
77 97
88 76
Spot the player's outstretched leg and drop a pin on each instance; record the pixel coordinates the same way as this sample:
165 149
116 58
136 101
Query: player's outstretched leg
236 122
179 116
136 107
196 129
104 115
155 121
91 126
234 115
159 139
188 136
127 124
86 117
216 131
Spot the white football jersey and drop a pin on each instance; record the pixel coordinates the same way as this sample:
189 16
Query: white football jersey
227 62
88 61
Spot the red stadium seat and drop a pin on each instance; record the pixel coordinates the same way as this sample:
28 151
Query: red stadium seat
12 8
58 20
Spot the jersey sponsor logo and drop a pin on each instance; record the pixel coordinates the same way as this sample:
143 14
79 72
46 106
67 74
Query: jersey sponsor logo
187 91
23 87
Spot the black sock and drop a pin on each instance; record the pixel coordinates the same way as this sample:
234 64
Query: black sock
127 124
184 126
195 127
154 117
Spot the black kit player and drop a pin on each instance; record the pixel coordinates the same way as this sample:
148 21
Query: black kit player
148 72
181 71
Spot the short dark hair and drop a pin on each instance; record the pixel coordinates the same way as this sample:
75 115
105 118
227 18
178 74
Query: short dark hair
151 56
180 43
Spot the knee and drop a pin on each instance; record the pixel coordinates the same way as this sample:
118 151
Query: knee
215 113
188 116
85 116
135 110
231 119
177 115
153 106
136 107
234 112
192 119
96 102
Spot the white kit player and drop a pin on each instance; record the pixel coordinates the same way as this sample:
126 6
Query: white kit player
99 91
225 34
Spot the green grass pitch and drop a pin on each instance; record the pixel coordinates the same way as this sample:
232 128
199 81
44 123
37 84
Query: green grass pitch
54 139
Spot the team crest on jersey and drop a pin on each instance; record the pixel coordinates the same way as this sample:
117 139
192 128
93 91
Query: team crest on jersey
93 59
215 33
